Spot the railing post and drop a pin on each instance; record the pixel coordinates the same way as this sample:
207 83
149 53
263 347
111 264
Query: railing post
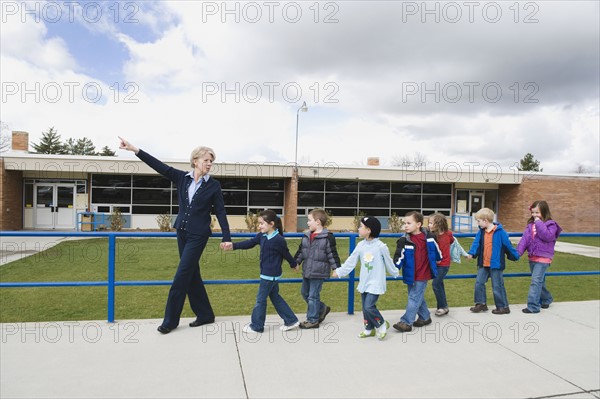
111 277
351 278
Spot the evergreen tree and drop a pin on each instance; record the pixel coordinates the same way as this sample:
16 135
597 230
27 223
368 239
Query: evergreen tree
106 152
529 163
50 143
82 146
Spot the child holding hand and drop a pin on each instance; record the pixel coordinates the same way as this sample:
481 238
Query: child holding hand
273 249
375 260
538 240
417 255
318 255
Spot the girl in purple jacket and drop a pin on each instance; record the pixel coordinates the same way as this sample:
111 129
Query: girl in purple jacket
538 240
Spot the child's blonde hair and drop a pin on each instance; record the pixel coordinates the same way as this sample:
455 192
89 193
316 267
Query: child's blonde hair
485 214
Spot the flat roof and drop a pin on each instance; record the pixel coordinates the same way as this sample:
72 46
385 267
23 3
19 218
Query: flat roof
71 166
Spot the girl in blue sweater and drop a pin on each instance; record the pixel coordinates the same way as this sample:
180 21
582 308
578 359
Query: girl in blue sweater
273 249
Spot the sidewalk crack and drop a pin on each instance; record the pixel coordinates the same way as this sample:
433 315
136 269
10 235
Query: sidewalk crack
237 348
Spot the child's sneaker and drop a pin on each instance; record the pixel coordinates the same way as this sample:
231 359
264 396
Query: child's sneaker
366 334
422 322
324 314
283 327
248 330
309 324
403 327
479 307
442 312
382 330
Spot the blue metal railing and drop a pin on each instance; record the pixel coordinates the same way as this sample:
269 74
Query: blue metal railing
458 221
111 283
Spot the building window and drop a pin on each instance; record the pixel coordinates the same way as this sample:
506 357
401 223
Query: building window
406 201
111 195
341 186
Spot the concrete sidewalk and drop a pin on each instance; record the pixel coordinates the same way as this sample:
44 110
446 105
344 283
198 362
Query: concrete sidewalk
577 249
17 248
569 248
555 353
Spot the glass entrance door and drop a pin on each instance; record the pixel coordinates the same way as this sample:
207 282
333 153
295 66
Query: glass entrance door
54 206
476 203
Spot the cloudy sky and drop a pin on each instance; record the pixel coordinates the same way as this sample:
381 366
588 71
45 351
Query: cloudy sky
458 82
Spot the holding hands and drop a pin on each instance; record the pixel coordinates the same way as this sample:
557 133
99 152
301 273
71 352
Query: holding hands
227 246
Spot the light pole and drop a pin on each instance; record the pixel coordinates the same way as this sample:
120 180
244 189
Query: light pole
303 108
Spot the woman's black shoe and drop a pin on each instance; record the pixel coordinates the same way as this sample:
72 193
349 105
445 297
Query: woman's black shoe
198 323
163 330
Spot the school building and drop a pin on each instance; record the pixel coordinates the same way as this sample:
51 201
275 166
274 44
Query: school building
48 192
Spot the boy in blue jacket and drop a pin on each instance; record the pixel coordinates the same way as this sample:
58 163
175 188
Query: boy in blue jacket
417 255
490 246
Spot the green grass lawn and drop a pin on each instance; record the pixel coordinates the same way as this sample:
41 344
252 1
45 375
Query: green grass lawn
156 259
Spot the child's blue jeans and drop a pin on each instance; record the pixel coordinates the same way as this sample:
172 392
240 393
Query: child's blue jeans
438 287
373 319
311 292
270 289
416 304
483 274
538 293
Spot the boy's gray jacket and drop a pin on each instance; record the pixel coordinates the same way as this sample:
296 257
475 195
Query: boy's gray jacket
318 257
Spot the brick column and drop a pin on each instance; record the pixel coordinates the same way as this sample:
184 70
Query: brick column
11 201
290 207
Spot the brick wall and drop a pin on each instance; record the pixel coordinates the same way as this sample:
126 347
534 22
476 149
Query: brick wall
11 203
574 202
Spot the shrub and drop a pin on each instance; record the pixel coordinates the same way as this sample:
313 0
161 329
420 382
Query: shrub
356 221
116 219
252 221
164 222
329 218
395 223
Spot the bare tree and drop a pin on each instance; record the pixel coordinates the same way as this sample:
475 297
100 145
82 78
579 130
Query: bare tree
417 160
4 137
581 169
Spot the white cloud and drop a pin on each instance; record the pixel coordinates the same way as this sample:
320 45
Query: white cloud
353 75
29 42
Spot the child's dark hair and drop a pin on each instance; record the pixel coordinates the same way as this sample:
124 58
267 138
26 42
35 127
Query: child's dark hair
271 217
416 215
544 210
439 220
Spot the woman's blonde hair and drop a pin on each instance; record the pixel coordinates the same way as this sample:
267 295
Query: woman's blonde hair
200 151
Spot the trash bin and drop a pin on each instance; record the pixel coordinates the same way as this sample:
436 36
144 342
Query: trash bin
87 222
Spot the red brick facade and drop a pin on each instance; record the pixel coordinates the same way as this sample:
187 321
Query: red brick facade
11 199
574 202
